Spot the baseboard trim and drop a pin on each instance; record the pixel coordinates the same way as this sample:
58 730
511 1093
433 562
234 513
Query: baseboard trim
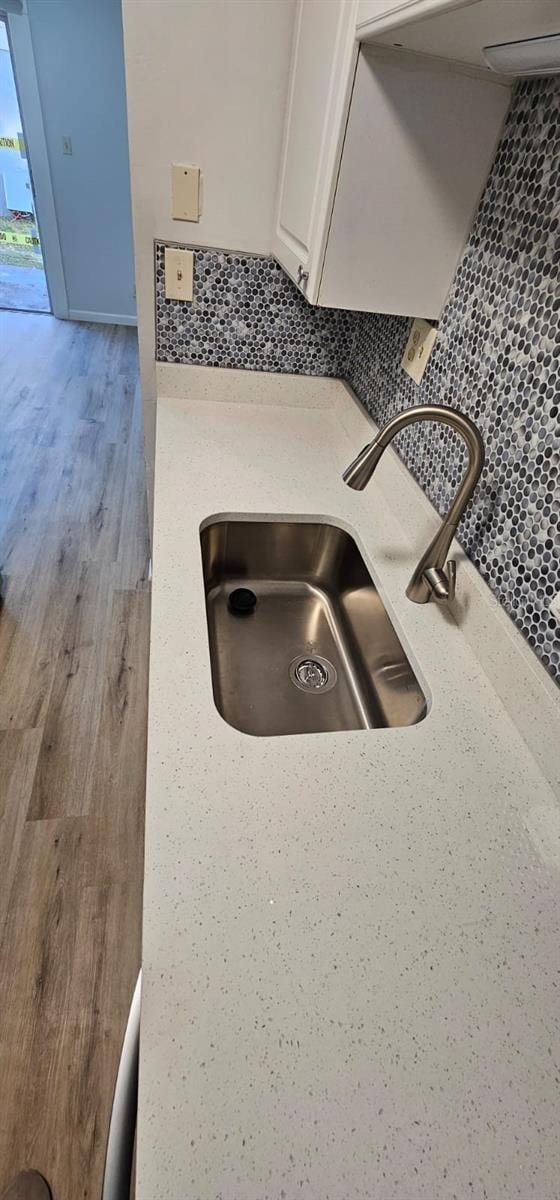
78 314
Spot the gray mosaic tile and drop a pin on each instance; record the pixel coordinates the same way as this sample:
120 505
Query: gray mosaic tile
498 359
247 313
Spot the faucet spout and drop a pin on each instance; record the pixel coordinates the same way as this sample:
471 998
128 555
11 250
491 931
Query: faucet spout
430 579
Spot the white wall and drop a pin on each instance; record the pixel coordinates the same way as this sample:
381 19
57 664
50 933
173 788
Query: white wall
78 51
206 84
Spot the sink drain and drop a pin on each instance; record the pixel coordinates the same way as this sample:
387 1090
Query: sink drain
312 674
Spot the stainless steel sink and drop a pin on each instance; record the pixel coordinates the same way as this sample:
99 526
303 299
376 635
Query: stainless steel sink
317 652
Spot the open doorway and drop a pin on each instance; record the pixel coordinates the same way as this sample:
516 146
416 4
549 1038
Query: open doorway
23 283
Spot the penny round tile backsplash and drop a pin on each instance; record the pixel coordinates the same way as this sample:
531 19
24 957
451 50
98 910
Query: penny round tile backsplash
497 358
246 313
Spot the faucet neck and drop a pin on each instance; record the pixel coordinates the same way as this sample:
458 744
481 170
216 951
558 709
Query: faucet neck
462 425
361 469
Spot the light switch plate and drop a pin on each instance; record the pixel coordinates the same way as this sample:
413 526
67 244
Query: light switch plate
418 348
185 192
178 274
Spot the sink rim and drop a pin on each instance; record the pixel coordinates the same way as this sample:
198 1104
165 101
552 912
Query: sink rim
307 518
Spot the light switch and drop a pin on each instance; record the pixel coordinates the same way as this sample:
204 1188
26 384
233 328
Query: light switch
178 274
418 348
185 192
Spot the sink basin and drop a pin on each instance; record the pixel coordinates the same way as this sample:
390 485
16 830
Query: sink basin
313 651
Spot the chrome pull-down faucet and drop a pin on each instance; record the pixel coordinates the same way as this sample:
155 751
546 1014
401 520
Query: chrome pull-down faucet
432 578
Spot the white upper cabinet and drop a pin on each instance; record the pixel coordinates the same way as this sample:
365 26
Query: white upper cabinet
461 34
385 156
374 16
323 62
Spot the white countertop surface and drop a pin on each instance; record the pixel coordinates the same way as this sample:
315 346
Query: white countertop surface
351 940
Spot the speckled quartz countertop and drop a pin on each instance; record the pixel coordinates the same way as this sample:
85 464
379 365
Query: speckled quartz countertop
351 940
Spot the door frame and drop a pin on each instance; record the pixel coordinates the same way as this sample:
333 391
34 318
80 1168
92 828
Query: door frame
23 63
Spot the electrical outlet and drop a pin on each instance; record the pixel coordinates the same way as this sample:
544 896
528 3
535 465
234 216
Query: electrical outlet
185 192
554 607
178 274
418 348
66 144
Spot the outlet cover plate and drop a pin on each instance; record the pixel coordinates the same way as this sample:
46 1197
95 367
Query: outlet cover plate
418 348
185 192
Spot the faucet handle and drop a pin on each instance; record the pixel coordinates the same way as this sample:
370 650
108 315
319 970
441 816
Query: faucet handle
451 572
442 583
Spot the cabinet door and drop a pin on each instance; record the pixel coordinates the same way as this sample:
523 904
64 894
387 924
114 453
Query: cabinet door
323 63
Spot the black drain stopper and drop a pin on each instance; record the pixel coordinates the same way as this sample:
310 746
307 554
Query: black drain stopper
242 602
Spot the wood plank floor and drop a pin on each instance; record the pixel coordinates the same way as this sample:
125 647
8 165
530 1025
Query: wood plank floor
74 628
